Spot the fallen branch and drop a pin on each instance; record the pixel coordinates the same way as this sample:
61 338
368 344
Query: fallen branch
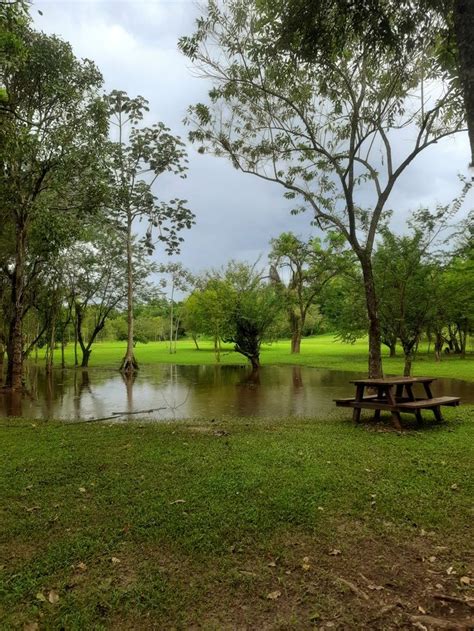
383 612
118 414
455 599
353 588
440 623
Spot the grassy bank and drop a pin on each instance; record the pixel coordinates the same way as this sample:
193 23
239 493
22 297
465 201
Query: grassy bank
321 351
258 525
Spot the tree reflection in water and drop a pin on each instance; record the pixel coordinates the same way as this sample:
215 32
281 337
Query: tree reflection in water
188 391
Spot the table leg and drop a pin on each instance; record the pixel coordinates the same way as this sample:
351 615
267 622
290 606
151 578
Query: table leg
411 397
380 395
358 397
399 391
429 394
395 413
437 414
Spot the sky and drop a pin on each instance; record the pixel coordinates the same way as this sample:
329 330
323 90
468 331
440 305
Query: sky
134 44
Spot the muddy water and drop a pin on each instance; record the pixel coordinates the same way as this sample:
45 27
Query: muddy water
173 391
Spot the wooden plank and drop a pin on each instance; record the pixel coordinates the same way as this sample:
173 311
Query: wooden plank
393 381
370 405
367 396
421 404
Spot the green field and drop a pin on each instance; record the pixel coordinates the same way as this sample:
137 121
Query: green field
320 351
296 524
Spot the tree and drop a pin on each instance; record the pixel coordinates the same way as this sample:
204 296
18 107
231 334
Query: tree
393 28
139 156
458 292
254 307
207 310
52 127
405 281
310 267
342 306
322 130
96 278
179 279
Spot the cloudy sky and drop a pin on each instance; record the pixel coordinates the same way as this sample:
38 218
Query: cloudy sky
134 43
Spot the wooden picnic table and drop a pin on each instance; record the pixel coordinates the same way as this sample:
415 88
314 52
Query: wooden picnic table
395 394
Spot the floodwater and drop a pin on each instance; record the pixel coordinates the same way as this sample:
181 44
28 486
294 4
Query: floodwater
170 391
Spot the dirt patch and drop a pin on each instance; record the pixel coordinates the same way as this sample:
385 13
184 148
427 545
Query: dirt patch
300 582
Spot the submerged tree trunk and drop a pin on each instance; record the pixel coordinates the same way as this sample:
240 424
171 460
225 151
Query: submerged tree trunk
15 339
50 345
129 363
86 347
76 361
255 361
375 355
86 353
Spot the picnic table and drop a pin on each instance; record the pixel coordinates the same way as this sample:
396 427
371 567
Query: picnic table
395 394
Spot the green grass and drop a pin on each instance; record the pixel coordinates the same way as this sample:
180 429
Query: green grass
321 351
192 525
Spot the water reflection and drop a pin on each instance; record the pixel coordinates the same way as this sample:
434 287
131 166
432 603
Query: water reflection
173 391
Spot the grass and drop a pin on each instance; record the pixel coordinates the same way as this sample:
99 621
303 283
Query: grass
283 525
320 351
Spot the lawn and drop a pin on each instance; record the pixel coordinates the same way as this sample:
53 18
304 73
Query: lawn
295 524
320 351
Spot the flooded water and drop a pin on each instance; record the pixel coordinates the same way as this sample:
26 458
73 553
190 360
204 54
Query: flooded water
172 391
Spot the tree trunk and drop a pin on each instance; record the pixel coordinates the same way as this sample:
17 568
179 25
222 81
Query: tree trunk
407 366
176 334
217 349
463 335
255 361
438 346
464 29
391 344
453 340
195 341
15 338
50 347
375 355
296 327
76 361
129 364
296 342
86 353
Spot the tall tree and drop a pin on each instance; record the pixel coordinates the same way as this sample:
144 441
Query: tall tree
139 156
52 128
177 278
322 130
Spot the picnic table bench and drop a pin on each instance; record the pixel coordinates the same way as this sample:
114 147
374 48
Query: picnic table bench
395 394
